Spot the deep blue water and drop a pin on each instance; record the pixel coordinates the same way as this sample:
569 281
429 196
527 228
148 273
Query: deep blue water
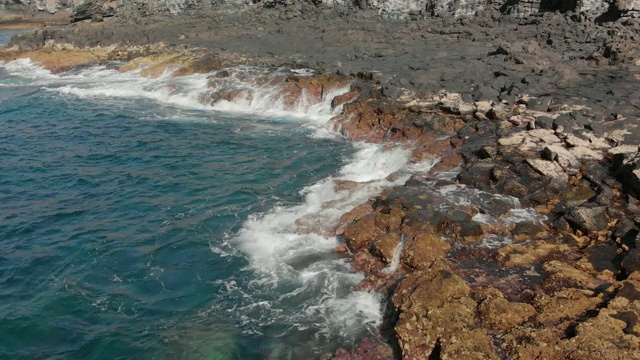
120 224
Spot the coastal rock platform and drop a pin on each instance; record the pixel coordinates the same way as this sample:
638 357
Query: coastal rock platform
521 240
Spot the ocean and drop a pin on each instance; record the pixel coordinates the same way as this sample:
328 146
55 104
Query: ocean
139 221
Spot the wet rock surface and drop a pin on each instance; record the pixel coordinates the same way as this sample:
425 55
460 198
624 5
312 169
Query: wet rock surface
521 241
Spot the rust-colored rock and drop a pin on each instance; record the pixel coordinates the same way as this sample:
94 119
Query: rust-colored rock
310 88
432 149
350 217
368 120
435 310
385 246
501 315
361 233
365 262
528 254
425 248
61 60
561 275
344 98
564 305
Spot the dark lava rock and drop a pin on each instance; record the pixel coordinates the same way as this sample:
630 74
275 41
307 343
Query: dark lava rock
631 262
627 232
476 176
544 122
588 219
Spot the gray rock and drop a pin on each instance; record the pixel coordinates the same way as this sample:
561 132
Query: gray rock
631 261
544 122
588 219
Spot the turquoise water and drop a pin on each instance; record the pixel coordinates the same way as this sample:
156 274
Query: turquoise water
135 223
5 35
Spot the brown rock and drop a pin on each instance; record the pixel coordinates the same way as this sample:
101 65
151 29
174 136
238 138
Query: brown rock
501 315
350 217
435 310
528 254
61 60
368 120
526 343
431 149
528 231
473 344
448 162
391 221
361 233
423 250
604 337
482 293
344 98
564 305
561 275
385 246
364 262
314 88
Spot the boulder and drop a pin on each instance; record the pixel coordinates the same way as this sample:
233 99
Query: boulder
425 248
360 234
564 305
501 315
588 219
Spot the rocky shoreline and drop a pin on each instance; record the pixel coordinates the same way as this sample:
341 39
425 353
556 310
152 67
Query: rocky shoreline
522 113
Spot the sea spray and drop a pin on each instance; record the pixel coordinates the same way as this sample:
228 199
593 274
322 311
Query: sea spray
395 260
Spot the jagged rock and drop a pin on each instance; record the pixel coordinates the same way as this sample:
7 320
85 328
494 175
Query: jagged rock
352 216
487 152
544 122
529 231
550 169
501 315
631 261
423 250
452 102
562 275
627 5
623 149
364 261
436 311
385 246
588 219
567 160
564 305
528 254
360 234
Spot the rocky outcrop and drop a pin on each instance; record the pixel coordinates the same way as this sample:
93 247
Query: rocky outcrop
60 10
138 9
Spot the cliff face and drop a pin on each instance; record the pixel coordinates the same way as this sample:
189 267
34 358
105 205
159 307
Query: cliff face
394 8
76 9
132 9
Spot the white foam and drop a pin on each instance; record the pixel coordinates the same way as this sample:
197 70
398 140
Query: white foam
524 215
395 260
294 243
494 241
264 99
